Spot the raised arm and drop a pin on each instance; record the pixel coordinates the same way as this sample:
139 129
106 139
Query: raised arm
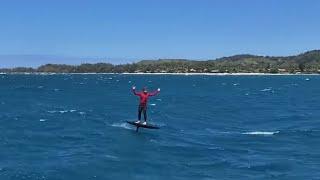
154 93
134 91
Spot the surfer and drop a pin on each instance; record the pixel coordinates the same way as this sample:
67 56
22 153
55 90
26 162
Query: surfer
144 96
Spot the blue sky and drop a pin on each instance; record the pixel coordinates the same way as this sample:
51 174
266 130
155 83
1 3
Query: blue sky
144 29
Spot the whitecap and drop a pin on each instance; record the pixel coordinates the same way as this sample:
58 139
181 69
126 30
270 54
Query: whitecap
42 120
266 89
82 113
307 79
153 104
62 112
51 111
261 133
73 110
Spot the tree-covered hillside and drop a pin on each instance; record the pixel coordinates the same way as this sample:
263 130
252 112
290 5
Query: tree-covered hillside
308 62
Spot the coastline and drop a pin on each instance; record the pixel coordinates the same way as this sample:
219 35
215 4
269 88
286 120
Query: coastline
178 74
222 74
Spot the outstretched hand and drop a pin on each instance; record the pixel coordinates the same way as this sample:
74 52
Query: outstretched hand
159 89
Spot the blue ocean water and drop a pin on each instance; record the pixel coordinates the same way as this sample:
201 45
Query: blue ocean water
72 127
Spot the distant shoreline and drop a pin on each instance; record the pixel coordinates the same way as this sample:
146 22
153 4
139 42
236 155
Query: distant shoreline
245 64
220 74
178 74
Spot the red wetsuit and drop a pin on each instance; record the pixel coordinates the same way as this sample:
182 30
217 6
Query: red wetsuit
143 102
144 96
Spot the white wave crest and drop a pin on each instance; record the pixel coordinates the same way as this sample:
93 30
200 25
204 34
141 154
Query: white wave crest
266 89
62 111
261 133
82 113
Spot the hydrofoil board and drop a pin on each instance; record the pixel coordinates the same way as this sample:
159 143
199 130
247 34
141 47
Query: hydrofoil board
140 125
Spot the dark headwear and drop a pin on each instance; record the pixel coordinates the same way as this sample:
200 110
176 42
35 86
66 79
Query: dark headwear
145 89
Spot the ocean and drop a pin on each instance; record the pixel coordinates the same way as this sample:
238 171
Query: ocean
72 127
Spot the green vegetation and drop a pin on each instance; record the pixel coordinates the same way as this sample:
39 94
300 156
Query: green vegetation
308 62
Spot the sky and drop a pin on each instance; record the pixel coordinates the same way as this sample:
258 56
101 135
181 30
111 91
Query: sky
127 30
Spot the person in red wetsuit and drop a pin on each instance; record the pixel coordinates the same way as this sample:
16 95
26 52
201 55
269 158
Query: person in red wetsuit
144 96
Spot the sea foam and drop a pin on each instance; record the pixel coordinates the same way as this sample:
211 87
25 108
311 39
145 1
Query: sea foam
122 125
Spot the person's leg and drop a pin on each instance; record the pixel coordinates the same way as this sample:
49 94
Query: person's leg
145 113
139 112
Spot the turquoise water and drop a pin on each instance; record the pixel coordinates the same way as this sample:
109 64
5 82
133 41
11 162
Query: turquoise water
212 127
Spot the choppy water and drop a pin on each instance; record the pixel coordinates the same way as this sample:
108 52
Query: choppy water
212 127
